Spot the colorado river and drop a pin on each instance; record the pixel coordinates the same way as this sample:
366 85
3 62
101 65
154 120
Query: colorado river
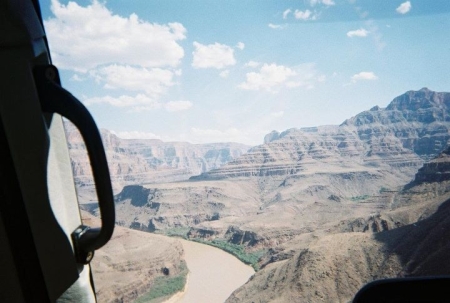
213 274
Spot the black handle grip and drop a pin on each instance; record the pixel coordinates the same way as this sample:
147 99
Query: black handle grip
55 99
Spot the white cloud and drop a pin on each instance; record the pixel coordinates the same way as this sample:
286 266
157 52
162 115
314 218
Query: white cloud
174 106
276 26
153 81
272 77
135 135
286 13
325 2
358 33
82 38
225 73
140 100
269 76
304 15
240 45
364 76
212 56
252 64
404 8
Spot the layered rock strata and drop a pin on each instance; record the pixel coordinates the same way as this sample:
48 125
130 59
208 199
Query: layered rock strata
136 161
414 127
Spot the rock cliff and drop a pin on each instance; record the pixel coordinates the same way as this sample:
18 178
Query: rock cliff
436 170
418 119
135 161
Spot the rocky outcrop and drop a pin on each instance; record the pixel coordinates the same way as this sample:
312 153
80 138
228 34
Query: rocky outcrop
133 161
137 194
374 224
436 170
238 236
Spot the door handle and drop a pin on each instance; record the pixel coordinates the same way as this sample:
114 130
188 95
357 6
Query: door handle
55 99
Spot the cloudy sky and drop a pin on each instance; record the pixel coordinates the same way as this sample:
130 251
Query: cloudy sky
211 71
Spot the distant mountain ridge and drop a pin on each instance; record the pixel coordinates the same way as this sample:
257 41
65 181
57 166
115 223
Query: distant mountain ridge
140 161
414 127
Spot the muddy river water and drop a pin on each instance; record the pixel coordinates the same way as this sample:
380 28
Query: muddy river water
213 274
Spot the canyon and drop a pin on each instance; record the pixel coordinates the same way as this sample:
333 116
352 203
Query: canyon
300 180
370 192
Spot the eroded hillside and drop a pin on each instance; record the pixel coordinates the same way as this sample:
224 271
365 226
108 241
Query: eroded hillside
413 241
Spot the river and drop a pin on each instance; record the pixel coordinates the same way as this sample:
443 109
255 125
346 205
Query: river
213 274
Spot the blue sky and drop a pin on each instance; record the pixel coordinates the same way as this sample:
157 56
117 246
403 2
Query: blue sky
214 71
